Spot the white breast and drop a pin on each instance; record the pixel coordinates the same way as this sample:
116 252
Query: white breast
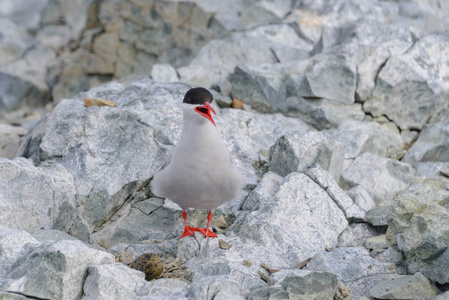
200 174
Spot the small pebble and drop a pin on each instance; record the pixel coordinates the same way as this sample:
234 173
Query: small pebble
247 263
98 102
223 245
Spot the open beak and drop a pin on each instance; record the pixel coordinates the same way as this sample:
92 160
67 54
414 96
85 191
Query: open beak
205 111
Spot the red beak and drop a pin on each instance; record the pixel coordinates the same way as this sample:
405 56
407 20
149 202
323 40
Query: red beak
205 111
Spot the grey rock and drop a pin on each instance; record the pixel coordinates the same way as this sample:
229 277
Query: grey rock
35 198
113 281
443 296
331 77
216 287
163 73
381 177
354 266
218 58
406 91
355 235
361 198
54 270
419 223
166 289
432 145
10 137
377 242
328 183
415 286
290 214
378 216
380 139
295 152
299 284
12 296
24 13
44 235
13 244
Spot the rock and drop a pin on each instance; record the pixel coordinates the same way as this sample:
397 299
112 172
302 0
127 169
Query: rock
44 235
419 223
355 235
262 45
432 145
165 288
328 183
380 139
289 213
53 270
381 177
113 281
298 284
295 152
406 91
361 198
10 137
164 73
216 287
378 216
98 145
332 78
14 243
354 266
415 286
443 296
23 13
35 198
377 242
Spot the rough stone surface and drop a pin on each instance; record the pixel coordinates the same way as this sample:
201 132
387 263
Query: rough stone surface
113 281
419 223
10 137
291 214
432 145
354 266
408 90
381 177
33 198
299 284
53 270
355 235
359 137
295 152
378 216
415 286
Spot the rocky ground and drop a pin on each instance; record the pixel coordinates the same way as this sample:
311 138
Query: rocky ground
343 140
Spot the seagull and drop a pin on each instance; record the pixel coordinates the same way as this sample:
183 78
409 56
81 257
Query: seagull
200 174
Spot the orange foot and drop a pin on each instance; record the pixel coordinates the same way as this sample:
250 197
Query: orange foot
207 232
189 231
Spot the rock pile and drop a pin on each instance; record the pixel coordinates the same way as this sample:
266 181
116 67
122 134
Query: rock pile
343 142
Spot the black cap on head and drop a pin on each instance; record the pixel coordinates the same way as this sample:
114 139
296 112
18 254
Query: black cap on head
198 96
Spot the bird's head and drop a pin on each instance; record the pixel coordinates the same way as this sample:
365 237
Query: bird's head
200 99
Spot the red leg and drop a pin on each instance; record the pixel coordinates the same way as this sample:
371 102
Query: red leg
188 231
206 231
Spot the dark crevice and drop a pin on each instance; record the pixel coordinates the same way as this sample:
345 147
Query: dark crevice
275 56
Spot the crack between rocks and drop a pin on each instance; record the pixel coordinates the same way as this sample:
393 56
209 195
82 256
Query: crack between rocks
325 189
24 295
275 56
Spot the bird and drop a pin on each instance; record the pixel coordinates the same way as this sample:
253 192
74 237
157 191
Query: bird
200 174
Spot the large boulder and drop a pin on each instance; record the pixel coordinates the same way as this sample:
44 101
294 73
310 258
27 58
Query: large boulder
295 211
53 270
411 88
297 151
419 221
33 198
381 177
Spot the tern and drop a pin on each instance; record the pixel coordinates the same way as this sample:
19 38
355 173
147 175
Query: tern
200 174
